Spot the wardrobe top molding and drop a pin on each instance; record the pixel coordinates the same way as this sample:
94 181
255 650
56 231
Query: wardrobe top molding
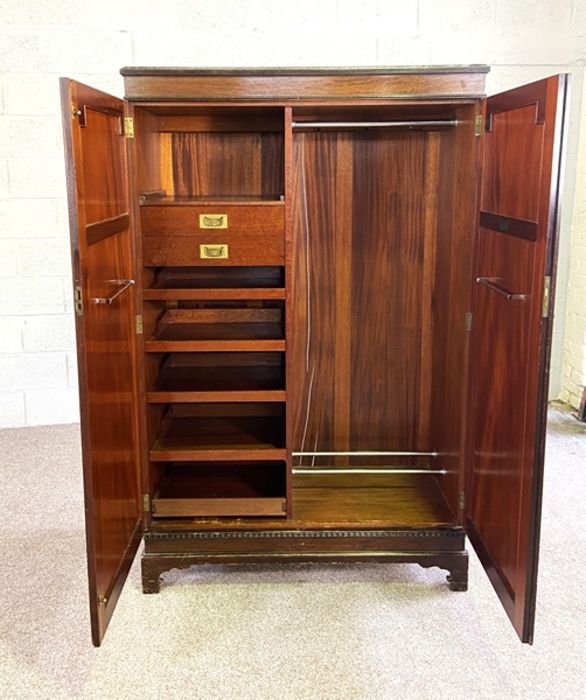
146 84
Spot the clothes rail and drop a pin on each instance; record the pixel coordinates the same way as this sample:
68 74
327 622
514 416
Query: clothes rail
409 124
367 453
364 470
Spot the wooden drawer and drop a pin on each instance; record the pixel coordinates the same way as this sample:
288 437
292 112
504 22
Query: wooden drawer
191 220
235 248
231 235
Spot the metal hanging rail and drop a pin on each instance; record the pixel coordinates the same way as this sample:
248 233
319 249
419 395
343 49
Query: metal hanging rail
364 470
368 453
404 124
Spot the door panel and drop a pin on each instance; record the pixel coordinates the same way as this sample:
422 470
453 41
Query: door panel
101 244
504 179
511 337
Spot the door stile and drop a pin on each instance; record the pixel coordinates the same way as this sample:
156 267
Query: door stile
558 94
140 379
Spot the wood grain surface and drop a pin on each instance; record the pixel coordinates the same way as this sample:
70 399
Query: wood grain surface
97 182
327 86
512 340
360 249
207 164
457 212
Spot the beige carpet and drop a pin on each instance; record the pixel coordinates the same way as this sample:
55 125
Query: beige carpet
297 631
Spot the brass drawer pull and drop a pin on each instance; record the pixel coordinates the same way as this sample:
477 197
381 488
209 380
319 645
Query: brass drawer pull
217 252
213 220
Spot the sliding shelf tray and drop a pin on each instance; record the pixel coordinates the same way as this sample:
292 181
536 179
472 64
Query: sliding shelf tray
176 283
155 345
185 330
235 489
212 293
220 432
202 377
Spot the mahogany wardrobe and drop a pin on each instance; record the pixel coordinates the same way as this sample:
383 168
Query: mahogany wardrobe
313 314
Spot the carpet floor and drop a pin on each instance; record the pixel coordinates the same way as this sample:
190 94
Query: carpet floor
289 631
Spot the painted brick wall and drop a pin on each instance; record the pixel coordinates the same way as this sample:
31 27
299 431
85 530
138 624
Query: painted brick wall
574 346
42 39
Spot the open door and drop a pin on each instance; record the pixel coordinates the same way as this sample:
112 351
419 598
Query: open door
101 245
513 303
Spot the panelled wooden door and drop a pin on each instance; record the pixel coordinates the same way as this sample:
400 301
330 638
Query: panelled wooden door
511 337
102 270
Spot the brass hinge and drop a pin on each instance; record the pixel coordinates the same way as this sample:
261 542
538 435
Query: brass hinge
138 324
468 321
75 111
478 125
102 600
461 500
146 502
129 127
78 303
545 309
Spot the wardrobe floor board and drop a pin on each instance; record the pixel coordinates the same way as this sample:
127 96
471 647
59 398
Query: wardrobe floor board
332 501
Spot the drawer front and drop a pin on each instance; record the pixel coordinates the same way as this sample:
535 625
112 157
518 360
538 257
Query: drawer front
192 220
193 235
214 248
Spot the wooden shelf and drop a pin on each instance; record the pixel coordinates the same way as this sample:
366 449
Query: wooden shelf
222 329
155 345
219 437
220 324
220 278
213 294
183 396
175 454
227 283
194 378
241 489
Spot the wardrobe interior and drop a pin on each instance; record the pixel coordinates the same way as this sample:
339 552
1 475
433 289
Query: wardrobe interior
328 316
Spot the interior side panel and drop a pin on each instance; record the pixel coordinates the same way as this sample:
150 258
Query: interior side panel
452 281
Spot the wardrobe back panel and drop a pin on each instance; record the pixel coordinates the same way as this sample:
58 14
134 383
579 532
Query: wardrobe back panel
249 164
209 151
364 227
